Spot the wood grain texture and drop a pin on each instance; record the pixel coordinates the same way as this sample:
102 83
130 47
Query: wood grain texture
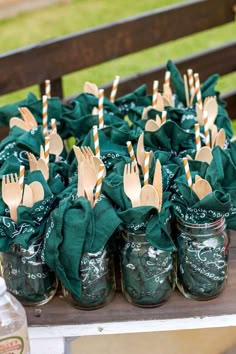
23 67
59 312
206 63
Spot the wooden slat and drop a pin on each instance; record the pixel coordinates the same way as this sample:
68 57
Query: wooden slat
230 98
221 60
64 55
59 312
56 88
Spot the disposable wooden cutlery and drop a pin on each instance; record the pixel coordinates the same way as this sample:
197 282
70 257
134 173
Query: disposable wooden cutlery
11 193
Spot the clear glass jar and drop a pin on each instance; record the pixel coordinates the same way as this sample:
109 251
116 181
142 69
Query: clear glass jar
27 277
98 280
147 273
202 259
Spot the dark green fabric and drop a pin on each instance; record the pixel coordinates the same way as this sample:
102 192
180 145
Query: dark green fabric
72 229
170 137
11 110
97 277
140 218
202 264
20 141
31 221
136 98
32 282
188 207
222 175
147 273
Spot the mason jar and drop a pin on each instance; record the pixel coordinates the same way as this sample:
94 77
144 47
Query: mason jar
27 276
202 258
98 280
147 273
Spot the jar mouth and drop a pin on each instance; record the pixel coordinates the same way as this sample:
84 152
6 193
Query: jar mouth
215 224
205 228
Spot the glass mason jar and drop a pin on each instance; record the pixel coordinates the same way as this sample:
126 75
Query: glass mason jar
98 280
27 277
202 259
147 273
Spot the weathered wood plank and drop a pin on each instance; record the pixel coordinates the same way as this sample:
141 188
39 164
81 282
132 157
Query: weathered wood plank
56 88
230 99
221 60
61 56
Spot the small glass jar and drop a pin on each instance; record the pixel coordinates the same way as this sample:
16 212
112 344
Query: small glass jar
27 277
147 273
98 280
202 259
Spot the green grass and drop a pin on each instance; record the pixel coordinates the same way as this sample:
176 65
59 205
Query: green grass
58 20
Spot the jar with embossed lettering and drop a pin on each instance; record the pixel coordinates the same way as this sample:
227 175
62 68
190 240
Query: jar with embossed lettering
26 275
202 258
147 273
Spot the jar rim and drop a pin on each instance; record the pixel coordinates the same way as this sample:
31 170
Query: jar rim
215 224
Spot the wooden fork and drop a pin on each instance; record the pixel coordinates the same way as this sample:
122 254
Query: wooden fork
132 185
11 193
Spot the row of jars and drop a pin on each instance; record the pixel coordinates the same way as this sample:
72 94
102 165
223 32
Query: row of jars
148 275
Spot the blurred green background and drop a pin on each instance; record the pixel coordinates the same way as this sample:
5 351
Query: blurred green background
76 15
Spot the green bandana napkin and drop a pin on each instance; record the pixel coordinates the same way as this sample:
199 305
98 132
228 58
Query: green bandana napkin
72 229
30 223
222 175
170 137
136 98
188 207
143 219
11 110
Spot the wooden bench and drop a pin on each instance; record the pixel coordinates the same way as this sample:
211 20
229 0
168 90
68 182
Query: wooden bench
23 67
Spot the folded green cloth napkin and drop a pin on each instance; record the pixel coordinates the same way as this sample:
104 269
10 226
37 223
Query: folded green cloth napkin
170 137
72 229
11 110
30 223
143 219
188 207
136 98
222 175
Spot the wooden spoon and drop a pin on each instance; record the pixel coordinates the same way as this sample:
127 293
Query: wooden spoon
202 188
198 178
27 197
149 196
160 103
56 145
214 131
37 191
90 87
220 138
151 126
211 107
42 166
157 182
140 150
204 154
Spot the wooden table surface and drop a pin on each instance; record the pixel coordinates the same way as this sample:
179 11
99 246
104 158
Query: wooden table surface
60 313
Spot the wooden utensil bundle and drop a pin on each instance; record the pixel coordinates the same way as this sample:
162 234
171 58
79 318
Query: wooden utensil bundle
14 195
149 194
91 171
